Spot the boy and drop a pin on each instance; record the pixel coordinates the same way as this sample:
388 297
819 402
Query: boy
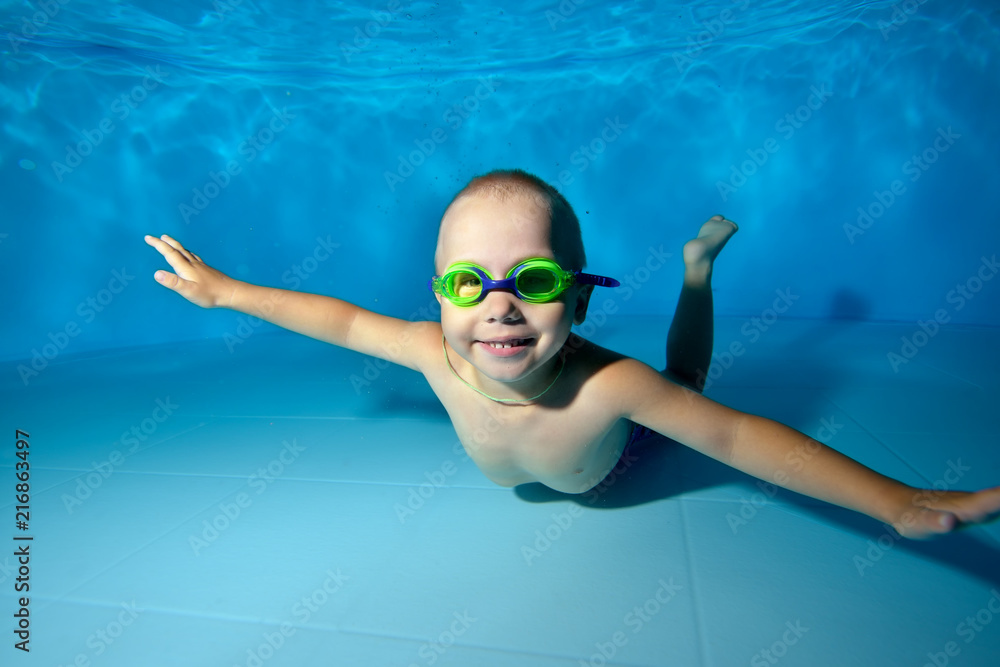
508 264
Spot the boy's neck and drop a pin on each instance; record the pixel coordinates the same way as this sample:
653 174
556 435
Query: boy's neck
524 391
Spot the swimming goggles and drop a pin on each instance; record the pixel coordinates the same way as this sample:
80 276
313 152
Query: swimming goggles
536 280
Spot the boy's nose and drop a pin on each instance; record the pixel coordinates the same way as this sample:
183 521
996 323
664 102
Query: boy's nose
501 304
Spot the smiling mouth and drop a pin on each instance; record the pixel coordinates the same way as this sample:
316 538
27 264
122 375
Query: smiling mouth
504 344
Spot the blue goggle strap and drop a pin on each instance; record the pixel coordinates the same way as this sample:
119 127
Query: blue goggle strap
591 279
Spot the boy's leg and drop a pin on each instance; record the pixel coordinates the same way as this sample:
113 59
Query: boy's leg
689 342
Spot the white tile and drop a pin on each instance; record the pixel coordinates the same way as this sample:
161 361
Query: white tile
509 561
921 408
80 536
836 581
253 554
385 451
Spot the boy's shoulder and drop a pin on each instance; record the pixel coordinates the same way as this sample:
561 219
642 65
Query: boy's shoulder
425 337
607 371
609 382
580 350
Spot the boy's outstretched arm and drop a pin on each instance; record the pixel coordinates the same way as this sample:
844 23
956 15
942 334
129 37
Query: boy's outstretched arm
321 317
776 453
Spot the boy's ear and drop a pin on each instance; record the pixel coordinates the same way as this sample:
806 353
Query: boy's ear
582 302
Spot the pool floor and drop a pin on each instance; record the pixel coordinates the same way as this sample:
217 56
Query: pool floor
278 501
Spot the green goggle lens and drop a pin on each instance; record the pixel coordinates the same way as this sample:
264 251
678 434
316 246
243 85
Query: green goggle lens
538 283
462 285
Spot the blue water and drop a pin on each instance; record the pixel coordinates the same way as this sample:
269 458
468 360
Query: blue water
691 105
314 148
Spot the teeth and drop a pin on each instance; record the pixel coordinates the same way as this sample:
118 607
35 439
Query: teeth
501 346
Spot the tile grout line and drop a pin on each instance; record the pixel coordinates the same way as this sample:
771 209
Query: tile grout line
949 374
699 624
317 627
90 470
884 445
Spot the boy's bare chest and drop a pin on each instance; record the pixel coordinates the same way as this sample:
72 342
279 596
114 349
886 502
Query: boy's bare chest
569 440
568 445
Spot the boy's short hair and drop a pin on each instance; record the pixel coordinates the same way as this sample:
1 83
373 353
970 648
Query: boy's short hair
505 184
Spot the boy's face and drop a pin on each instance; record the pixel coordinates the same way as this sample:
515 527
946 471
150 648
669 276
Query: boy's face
498 236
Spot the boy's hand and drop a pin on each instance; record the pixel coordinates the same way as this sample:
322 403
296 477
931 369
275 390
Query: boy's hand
932 512
195 281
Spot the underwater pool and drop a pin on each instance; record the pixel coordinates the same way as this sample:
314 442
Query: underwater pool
206 488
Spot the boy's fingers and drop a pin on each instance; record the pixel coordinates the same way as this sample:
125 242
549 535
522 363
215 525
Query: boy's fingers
172 251
167 279
162 246
175 259
176 245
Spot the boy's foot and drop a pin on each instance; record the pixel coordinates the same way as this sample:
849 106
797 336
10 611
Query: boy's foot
936 512
701 251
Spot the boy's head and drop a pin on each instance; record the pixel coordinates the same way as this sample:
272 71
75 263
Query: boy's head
505 185
497 222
